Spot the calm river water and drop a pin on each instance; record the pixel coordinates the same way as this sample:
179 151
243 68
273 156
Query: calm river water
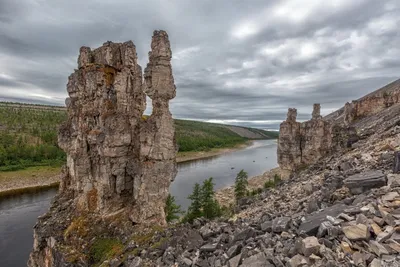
18 214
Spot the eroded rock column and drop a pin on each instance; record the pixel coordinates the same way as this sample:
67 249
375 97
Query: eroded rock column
301 144
116 158
157 136
289 142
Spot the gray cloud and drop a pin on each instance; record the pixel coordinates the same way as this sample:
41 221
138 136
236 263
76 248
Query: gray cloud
234 61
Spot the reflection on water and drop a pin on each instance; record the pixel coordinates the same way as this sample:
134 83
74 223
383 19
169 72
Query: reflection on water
18 214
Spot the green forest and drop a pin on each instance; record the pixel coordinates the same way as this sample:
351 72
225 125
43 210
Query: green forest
28 136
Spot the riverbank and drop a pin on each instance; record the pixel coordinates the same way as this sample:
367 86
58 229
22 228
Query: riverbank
189 156
226 196
28 180
34 179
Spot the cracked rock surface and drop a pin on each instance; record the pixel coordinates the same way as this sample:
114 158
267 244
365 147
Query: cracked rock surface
118 161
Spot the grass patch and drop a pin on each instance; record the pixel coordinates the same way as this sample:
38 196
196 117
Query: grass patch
159 243
105 248
273 182
78 228
144 237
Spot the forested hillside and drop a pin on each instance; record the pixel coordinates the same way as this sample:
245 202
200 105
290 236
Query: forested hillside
28 135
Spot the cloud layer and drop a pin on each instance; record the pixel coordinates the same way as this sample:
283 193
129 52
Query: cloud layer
234 61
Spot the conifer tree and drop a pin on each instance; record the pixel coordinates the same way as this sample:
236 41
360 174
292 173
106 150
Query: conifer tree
172 210
211 208
195 208
241 185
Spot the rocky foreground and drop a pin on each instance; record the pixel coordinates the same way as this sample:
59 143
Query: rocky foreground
343 210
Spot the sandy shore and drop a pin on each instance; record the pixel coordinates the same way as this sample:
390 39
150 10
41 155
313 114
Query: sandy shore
226 196
29 179
36 178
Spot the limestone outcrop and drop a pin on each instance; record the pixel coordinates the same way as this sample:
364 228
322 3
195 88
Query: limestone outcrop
301 144
118 161
289 143
115 158
368 105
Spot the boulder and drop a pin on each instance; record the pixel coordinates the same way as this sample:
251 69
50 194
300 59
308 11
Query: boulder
378 248
235 261
309 245
298 261
244 235
396 162
209 247
361 182
356 232
280 224
257 260
312 222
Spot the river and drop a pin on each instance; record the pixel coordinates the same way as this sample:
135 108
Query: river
18 214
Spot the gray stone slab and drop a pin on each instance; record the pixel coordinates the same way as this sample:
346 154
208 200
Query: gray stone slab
312 222
361 182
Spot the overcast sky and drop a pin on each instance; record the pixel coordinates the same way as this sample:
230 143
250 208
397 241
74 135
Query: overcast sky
234 61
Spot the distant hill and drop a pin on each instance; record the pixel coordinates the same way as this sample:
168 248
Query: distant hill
28 135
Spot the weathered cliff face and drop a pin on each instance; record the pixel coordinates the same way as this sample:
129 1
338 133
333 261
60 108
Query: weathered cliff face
115 158
289 142
118 162
368 105
304 143
157 137
372 104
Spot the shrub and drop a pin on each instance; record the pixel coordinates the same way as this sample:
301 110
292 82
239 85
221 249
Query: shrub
172 210
269 184
272 183
277 179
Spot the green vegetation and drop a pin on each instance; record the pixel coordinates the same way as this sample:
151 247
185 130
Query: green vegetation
203 202
241 185
28 135
272 183
105 248
172 210
202 136
270 134
195 208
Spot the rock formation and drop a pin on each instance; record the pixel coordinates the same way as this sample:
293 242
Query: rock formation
301 144
118 161
368 105
115 158
289 142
